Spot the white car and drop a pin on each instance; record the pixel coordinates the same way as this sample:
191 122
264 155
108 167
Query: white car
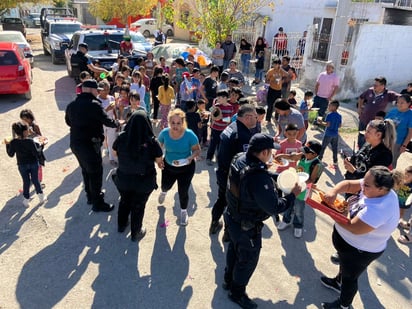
148 27
18 38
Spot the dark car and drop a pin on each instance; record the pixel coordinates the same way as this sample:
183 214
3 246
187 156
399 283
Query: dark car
32 20
14 23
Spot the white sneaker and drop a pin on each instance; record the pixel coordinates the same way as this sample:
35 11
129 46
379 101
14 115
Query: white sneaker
297 233
183 217
283 225
42 198
162 197
26 202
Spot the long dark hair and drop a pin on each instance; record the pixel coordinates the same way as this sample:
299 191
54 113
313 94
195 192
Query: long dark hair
138 132
166 81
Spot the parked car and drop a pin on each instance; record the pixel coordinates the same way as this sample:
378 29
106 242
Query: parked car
17 37
15 70
171 51
148 27
14 23
140 42
32 20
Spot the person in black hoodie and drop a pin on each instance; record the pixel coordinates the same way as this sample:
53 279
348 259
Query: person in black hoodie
27 153
137 150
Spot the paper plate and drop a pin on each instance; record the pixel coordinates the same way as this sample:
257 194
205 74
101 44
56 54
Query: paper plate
283 161
315 109
41 140
287 180
181 162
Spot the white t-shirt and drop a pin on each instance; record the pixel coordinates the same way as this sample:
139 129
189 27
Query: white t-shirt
381 213
106 103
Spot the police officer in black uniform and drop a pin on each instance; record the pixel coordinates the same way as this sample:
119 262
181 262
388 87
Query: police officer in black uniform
252 198
234 139
86 117
82 63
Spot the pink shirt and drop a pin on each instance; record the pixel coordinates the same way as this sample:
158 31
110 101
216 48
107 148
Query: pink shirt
288 148
327 82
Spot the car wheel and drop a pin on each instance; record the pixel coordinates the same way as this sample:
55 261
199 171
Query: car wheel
169 33
54 59
27 95
146 33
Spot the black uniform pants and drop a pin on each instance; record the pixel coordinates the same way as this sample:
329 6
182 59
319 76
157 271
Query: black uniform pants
90 161
133 203
219 206
353 262
242 255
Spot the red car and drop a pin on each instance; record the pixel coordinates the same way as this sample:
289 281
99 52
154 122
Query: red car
15 70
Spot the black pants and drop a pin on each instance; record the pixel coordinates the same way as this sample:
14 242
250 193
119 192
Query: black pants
242 255
133 203
214 143
219 206
90 161
156 104
183 175
353 262
273 95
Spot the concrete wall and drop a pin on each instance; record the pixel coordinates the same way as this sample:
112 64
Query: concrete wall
376 50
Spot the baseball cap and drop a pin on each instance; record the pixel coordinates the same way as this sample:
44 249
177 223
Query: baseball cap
90 83
261 141
185 74
84 45
312 147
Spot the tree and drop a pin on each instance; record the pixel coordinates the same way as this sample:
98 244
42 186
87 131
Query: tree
214 19
9 4
108 9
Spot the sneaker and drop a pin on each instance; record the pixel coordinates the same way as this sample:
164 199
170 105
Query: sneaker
244 301
42 198
209 162
334 258
334 305
330 283
297 232
215 227
26 202
283 225
183 217
162 197
139 235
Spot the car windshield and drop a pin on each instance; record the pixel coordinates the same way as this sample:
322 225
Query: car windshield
11 37
101 42
62 28
8 58
13 21
138 38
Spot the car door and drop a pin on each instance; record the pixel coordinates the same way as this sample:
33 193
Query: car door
72 49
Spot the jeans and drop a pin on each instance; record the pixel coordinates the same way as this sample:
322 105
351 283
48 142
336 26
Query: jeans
30 173
245 59
321 103
226 63
271 98
214 143
133 203
219 206
353 262
333 140
259 74
298 209
183 175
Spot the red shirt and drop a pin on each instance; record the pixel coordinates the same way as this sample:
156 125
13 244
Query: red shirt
126 46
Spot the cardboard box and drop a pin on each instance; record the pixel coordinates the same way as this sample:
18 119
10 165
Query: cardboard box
313 199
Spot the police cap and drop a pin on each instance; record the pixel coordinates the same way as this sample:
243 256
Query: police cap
261 141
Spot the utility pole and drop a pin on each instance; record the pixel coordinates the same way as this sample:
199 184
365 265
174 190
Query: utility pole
339 31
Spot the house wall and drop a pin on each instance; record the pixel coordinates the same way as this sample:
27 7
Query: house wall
376 51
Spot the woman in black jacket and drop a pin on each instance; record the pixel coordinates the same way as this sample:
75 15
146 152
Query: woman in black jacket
137 150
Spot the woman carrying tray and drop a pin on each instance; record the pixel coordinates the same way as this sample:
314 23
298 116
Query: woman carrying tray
374 215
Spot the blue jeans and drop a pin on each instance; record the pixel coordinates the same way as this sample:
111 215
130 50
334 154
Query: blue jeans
333 140
259 74
30 173
226 64
298 209
245 59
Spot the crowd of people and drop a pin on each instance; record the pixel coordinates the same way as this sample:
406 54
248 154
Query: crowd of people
119 112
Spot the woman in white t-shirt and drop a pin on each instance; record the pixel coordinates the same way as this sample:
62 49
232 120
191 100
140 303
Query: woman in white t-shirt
374 215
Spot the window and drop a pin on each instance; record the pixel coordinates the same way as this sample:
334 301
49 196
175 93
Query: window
322 37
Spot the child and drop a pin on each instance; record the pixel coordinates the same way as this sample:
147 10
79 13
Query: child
119 80
308 163
123 101
83 76
332 123
204 115
291 99
221 115
135 101
27 153
403 187
260 64
304 107
380 115
224 79
146 83
27 116
289 145
194 122
165 96
137 84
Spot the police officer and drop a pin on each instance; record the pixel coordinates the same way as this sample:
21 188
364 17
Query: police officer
252 198
86 117
234 139
83 62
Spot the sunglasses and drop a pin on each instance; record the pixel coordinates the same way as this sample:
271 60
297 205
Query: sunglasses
306 149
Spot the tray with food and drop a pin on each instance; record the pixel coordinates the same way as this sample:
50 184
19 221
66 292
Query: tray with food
316 199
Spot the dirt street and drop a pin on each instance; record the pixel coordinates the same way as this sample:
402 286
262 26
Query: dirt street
62 255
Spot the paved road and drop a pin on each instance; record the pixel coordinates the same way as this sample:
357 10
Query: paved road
62 255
